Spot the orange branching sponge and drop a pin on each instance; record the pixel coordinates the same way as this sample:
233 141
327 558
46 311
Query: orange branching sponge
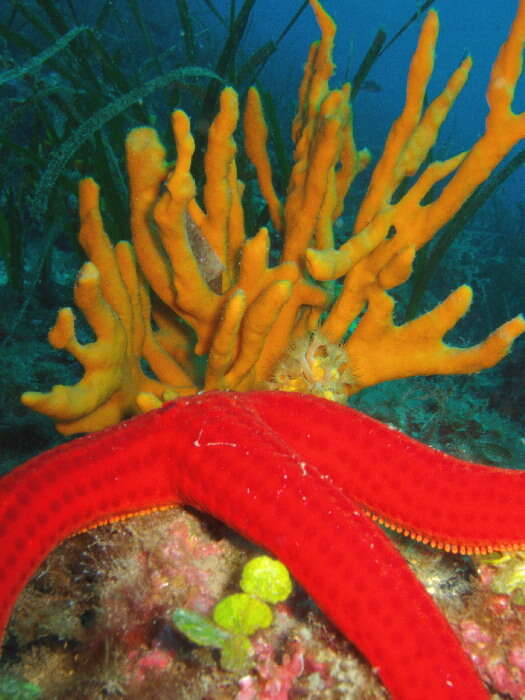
242 320
378 350
112 295
202 307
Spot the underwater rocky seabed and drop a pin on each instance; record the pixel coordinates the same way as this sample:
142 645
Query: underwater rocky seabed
95 621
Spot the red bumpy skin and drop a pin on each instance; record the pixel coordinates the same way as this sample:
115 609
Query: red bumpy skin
298 475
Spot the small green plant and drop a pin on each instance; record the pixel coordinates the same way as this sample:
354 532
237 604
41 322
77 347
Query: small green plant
14 688
238 616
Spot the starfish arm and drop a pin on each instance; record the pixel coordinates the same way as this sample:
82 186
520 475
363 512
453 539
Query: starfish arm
418 490
81 484
277 498
219 453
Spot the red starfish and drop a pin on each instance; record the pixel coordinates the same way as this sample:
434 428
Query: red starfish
300 476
